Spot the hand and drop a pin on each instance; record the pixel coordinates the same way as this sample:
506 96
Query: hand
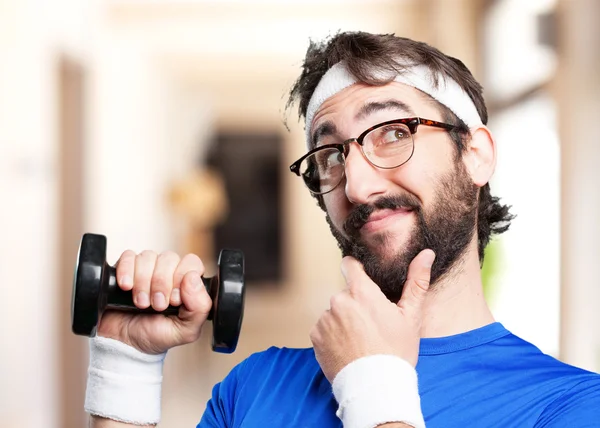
158 280
362 321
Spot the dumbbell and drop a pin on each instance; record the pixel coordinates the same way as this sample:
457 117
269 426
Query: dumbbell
95 290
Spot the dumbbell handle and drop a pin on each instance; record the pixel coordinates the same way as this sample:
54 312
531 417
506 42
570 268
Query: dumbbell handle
122 300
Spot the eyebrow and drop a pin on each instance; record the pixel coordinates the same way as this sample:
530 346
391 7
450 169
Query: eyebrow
375 106
328 128
323 130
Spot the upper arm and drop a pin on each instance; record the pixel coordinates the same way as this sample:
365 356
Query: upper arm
217 413
578 407
220 407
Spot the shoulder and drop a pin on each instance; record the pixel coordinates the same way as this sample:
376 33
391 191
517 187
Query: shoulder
529 359
578 404
269 367
274 359
573 393
277 353
265 369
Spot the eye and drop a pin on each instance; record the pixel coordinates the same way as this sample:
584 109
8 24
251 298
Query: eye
328 158
392 135
334 158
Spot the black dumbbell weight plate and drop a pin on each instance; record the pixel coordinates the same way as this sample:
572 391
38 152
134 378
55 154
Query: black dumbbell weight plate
95 289
228 306
86 303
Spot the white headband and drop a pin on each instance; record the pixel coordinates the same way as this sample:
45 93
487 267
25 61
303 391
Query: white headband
448 92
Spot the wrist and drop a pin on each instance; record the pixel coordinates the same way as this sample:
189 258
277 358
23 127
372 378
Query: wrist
377 390
123 383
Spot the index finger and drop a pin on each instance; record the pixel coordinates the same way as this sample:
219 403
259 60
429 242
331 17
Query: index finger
357 280
125 267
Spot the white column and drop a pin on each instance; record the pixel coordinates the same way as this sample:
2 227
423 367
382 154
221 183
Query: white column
578 84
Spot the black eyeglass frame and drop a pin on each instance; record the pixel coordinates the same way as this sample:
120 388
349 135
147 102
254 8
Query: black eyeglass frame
344 147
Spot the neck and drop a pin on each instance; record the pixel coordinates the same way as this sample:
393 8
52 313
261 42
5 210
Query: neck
456 303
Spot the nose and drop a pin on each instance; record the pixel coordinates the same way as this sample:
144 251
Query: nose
364 181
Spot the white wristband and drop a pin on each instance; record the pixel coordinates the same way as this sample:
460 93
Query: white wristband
378 389
123 383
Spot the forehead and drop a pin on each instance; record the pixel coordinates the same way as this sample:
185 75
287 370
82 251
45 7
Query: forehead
345 106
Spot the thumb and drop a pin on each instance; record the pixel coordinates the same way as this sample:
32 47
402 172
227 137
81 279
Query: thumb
417 282
196 302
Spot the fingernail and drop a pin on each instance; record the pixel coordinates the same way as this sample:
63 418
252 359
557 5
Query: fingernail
141 299
175 297
126 281
158 300
343 267
429 258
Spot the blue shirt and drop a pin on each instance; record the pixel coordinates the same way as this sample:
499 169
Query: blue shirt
487 377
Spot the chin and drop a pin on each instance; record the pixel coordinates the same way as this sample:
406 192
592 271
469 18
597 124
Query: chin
388 243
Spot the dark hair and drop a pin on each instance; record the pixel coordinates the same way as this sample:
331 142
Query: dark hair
363 53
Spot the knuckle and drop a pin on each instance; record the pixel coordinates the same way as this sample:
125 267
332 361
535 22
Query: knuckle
160 282
144 268
333 302
422 283
194 261
205 305
314 334
147 254
126 262
355 290
141 279
170 256
127 256
340 300
414 294
336 300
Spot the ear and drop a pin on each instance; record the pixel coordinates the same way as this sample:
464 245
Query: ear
480 155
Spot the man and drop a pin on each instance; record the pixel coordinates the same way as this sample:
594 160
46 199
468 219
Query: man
399 157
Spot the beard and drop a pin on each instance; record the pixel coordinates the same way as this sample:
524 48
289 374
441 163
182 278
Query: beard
447 228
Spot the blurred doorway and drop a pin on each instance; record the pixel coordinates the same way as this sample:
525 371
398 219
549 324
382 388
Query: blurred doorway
71 112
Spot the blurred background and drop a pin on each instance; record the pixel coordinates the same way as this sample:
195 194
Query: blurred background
162 124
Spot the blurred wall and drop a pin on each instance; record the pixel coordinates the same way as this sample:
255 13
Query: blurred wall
34 37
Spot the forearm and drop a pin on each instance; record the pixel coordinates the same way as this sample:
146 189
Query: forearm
97 422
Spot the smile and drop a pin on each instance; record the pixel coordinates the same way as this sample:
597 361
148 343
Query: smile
382 219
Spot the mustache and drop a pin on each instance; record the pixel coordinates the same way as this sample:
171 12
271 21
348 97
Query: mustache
359 215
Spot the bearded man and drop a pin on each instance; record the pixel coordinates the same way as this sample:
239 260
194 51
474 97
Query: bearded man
399 158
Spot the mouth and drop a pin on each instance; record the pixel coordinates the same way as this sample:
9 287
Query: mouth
381 219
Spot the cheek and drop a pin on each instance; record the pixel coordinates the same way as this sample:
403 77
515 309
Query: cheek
422 175
337 207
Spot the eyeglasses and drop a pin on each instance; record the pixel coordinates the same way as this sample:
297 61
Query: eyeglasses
387 145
